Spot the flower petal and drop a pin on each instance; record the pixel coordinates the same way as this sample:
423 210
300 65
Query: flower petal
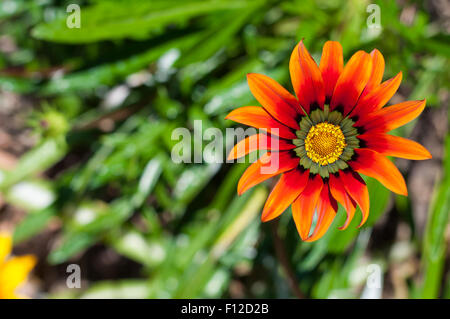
357 189
13 273
290 185
304 206
391 117
389 145
258 117
259 142
372 164
5 246
340 194
331 65
281 104
378 97
351 83
268 165
326 211
306 79
377 71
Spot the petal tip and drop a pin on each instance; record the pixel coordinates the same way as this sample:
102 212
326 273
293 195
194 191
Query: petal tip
375 51
426 155
303 236
363 221
240 188
313 238
227 117
264 217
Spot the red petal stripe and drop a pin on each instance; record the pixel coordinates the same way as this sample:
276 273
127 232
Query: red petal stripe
340 194
306 78
282 105
259 142
377 71
390 145
303 207
268 165
258 117
331 65
357 189
326 211
372 164
352 81
378 97
290 185
391 117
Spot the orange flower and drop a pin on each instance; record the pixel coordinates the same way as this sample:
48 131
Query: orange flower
335 129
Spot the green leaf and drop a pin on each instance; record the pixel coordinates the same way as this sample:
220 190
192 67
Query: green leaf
109 74
434 247
236 221
72 244
79 237
191 182
216 38
120 289
134 245
38 159
9 8
16 85
148 180
128 19
33 223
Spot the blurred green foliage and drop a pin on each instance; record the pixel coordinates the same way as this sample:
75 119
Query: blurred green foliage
107 160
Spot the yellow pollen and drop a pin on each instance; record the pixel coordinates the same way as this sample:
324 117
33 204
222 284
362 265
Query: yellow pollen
324 143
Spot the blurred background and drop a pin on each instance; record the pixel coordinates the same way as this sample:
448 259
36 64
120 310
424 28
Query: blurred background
86 117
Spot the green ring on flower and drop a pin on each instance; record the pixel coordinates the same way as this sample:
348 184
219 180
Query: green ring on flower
325 120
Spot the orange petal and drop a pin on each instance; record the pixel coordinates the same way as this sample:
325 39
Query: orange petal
340 194
306 78
377 71
258 117
351 83
304 206
259 142
391 117
390 145
268 165
290 185
326 211
378 97
357 189
372 164
331 65
281 104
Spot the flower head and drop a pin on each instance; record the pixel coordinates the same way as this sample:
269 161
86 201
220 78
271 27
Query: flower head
335 129
13 270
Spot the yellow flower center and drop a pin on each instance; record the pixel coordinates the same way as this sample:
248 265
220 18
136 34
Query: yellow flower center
324 143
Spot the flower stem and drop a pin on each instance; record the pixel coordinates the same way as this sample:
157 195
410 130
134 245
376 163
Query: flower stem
280 251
